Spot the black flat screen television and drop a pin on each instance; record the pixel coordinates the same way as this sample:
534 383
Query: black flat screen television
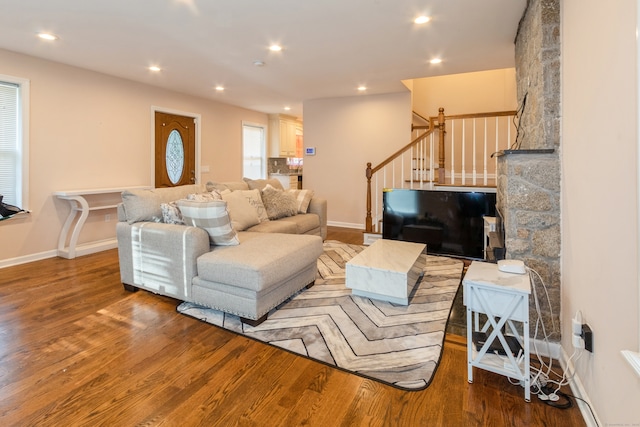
449 222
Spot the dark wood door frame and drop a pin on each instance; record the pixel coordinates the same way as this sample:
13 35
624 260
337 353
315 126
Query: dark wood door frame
198 120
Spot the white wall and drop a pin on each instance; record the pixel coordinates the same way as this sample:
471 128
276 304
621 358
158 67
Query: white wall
348 133
599 198
92 130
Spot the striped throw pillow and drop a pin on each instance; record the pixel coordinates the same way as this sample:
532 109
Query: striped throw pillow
303 198
213 217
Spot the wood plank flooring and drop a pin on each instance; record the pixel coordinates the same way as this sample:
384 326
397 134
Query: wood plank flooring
78 350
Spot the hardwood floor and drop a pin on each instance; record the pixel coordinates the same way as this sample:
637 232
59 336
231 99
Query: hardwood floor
76 349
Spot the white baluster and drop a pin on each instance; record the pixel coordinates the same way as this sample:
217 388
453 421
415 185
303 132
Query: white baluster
464 150
473 153
484 158
453 150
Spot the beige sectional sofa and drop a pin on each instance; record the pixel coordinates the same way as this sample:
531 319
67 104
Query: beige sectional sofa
231 262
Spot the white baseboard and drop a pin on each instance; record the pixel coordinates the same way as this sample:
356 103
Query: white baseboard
544 349
579 391
89 248
27 258
83 249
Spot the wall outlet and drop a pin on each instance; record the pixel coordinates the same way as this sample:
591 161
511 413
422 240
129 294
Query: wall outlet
107 218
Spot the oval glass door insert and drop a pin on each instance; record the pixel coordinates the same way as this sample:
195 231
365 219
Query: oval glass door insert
175 156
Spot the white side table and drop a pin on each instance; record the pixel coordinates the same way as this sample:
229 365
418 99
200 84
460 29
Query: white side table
504 298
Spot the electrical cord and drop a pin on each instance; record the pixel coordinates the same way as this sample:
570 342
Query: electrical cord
541 377
519 135
593 415
519 132
541 381
548 390
547 393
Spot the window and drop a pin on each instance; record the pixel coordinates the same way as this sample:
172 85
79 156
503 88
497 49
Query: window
253 151
14 140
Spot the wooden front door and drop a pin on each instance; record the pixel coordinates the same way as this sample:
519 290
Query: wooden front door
175 150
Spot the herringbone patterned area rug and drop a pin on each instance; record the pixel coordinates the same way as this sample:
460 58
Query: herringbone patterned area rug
397 345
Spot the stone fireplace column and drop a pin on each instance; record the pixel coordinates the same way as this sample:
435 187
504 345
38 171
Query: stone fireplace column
528 200
528 187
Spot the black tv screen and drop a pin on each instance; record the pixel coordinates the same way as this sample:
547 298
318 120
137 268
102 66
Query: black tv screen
449 222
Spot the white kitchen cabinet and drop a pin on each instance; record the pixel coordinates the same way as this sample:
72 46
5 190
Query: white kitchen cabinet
282 135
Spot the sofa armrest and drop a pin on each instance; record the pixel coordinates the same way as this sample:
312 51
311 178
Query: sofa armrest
318 206
159 257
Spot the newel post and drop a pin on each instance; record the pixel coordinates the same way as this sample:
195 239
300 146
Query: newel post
441 133
368 221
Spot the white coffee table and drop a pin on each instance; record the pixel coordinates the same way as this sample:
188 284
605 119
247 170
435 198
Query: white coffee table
384 270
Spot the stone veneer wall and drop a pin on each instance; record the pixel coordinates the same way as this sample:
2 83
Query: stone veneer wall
528 182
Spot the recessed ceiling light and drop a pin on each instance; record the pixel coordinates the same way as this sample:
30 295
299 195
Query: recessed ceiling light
287 108
275 48
362 88
155 68
258 63
219 88
435 61
422 19
48 36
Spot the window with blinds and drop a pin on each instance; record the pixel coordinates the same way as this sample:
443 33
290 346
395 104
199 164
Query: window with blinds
13 146
9 150
253 151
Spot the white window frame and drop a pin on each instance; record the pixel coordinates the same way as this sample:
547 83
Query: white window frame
22 167
264 145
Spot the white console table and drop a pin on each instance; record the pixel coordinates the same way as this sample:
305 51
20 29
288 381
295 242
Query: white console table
504 298
81 203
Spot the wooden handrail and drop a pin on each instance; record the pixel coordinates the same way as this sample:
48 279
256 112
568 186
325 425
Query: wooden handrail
476 115
400 151
415 113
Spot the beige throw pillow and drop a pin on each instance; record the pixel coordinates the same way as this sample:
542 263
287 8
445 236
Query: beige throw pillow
242 214
211 216
278 203
255 200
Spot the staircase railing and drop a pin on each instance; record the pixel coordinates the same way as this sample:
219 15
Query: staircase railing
463 144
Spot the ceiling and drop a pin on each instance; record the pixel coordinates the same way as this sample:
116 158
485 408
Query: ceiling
330 47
